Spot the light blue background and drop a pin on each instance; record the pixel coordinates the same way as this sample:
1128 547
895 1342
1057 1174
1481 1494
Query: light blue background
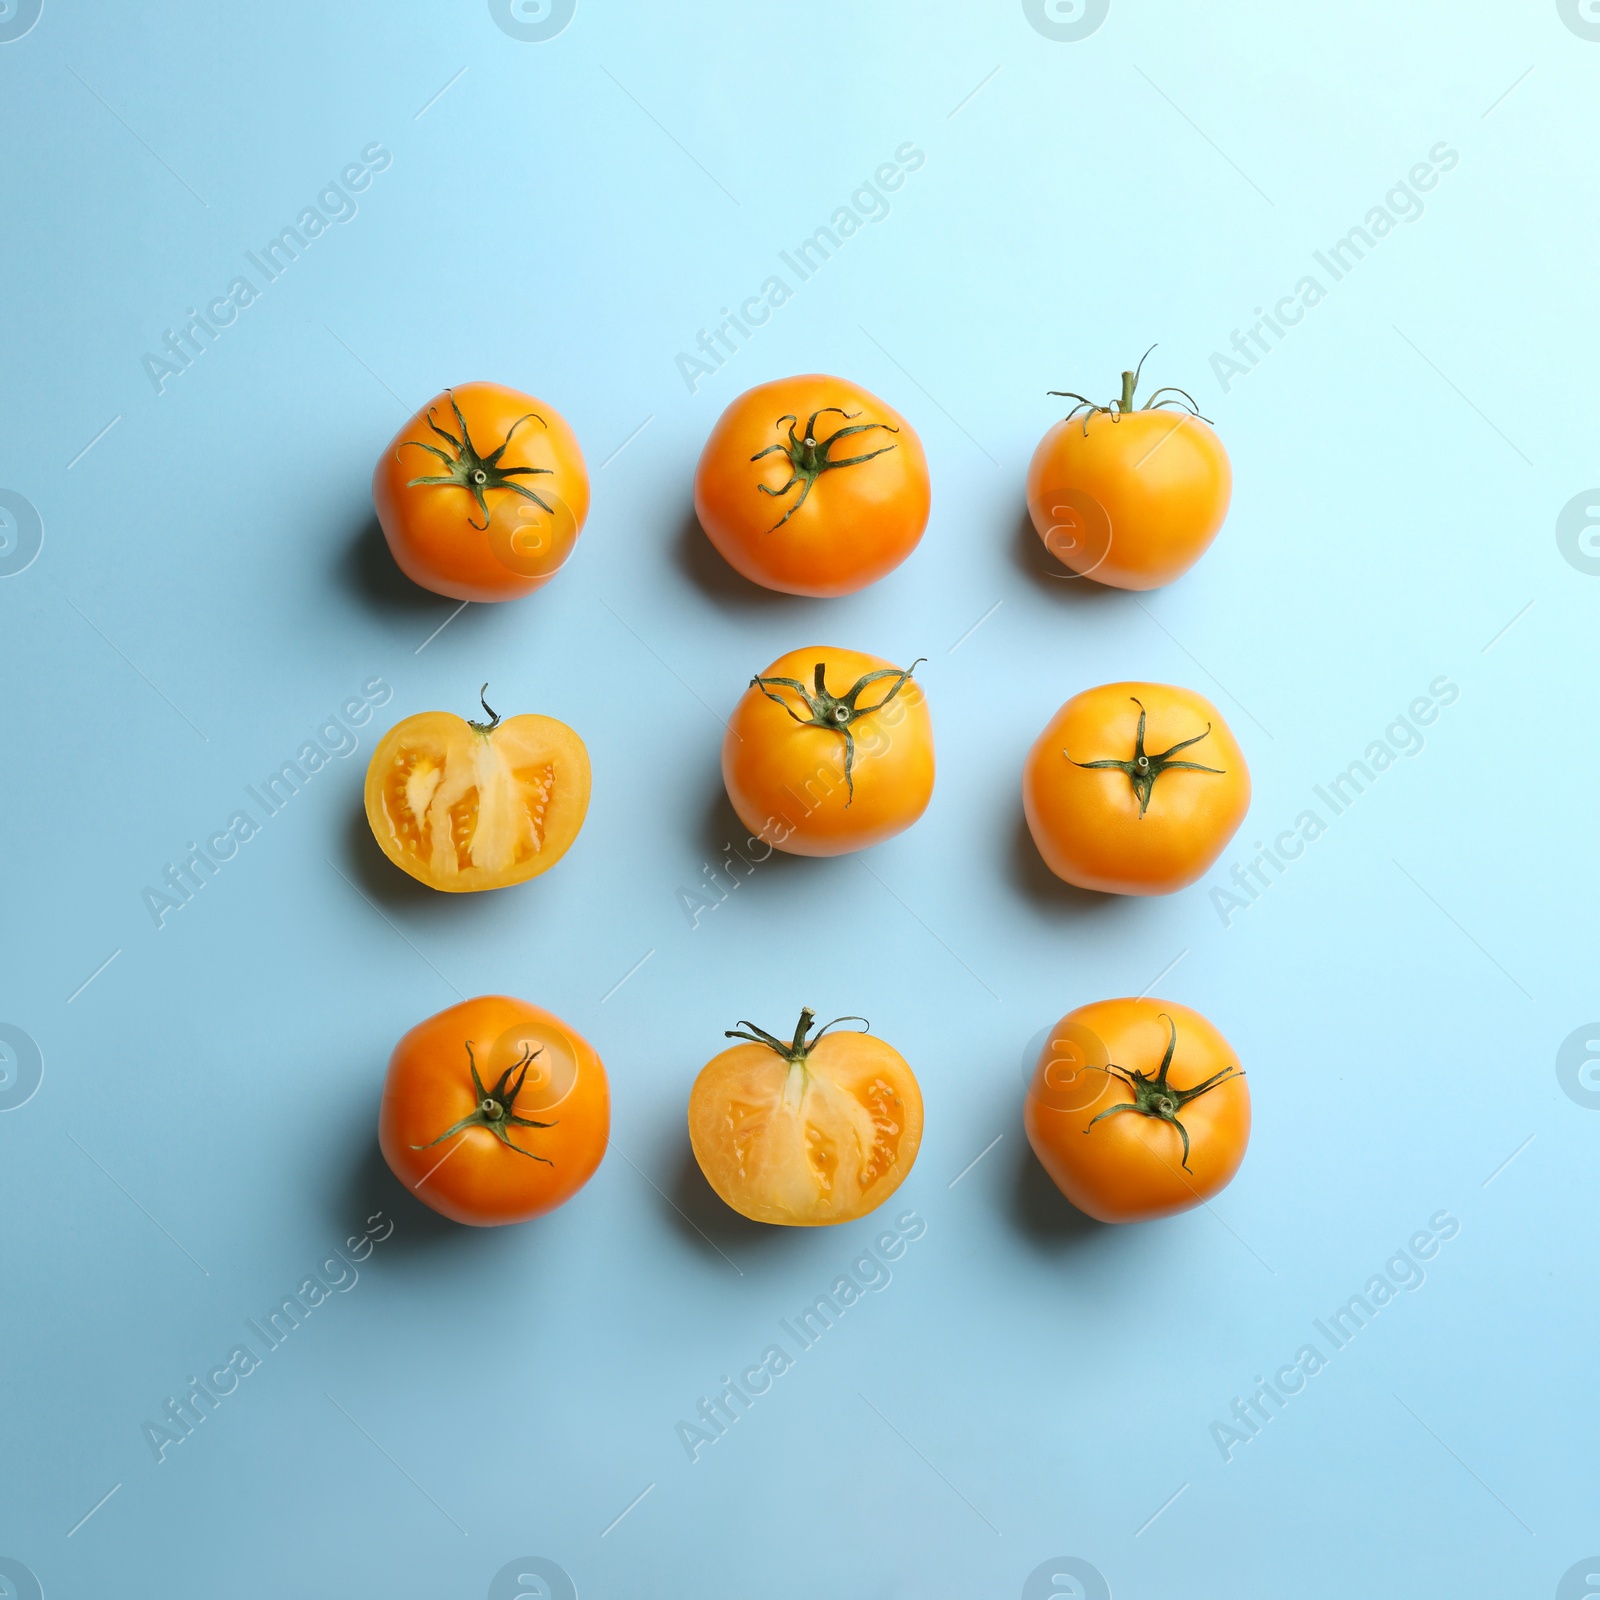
565 218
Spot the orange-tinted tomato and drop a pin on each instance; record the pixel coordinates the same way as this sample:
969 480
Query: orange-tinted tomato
819 1129
829 751
477 805
482 494
1137 1109
813 486
1129 497
1134 788
494 1111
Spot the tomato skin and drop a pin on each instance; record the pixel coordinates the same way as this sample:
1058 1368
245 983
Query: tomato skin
787 780
1129 1167
782 1145
857 522
1086 823
1134 502
513 793
430 527
472 1177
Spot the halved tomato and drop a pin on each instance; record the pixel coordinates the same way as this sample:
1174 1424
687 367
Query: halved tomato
477 805
819 1129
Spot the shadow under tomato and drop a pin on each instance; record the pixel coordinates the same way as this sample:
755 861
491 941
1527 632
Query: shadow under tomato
367 1187
703 565
1040 1211
724 838
713 1227
1039 884
369 571
397 891
1052 577
376 875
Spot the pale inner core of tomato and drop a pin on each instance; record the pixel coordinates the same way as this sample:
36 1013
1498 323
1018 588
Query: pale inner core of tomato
792 1134
481 812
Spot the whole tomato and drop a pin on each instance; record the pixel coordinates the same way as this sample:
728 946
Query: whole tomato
482 494
1137 1109
1131 497
829 751
1134 788
817 1129
494 1111
812 486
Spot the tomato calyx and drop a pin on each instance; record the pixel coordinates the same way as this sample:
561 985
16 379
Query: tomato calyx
797 1051
494 716
496 1107
837 712
1155 1097
1124 403
800 1047
1146 767
468 469
808 457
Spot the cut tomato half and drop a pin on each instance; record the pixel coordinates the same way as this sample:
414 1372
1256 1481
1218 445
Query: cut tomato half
817 1130
466 805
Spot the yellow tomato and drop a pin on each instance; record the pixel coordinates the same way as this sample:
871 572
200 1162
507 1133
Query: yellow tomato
829 751
819 1129
494 1111
1138 1109
477 805
482 494
1135 788
1129 496
811 485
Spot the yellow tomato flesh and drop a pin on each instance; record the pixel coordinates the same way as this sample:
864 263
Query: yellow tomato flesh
462 807
806 1144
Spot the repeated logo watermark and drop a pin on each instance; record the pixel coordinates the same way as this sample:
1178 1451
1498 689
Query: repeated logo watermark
1402 738
335 1274
1578 1066
1071 1075
1080 534
532 21
532 538
21 533
17 17
1581 1581
1581 16
1578 533
867 1274
1065 1578
717 882
335 739
1401 204
19 1581
1066 21
532 1578
1402 1272
335 203
869 203
21 1067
